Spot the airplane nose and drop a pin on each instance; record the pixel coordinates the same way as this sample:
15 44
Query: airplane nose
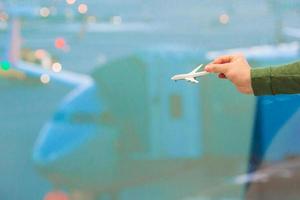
57 139
77 143
87 153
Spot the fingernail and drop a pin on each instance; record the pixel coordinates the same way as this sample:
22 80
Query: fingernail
207 68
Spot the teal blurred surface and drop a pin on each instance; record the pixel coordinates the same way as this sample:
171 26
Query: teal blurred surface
135 134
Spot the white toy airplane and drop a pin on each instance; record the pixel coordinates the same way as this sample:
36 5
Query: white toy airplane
190 76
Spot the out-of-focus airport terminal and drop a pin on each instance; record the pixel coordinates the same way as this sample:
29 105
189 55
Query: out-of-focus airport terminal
88 110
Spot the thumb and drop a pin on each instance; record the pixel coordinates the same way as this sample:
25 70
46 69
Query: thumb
217 68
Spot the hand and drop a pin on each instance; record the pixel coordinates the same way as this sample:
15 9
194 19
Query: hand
235 68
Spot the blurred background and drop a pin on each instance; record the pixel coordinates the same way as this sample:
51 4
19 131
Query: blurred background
88 110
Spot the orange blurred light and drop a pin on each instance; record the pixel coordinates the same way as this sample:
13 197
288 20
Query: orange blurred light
70 2
56 196
82 8
44 12
224 19
60 43
40 53
3 16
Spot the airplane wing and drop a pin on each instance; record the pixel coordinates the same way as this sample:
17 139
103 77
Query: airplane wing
192 80
195 70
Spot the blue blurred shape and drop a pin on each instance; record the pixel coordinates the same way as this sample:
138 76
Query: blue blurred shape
70 126
273 114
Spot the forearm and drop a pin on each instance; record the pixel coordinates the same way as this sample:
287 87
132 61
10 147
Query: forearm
276 80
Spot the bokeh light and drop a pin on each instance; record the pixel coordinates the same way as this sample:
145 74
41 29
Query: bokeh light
44 12
56 67
56 196
82 8
45 78
70 2
40 53
5 65
3 16
60 43
224 19
116 20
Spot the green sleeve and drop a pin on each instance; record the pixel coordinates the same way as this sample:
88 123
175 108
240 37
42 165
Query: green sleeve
276 80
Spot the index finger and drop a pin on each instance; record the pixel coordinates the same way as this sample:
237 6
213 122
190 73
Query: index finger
223 59
217 68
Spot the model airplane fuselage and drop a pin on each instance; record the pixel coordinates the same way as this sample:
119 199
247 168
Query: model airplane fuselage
190 76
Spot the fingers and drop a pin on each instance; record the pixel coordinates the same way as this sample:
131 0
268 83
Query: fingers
217 68
227 58
223 59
